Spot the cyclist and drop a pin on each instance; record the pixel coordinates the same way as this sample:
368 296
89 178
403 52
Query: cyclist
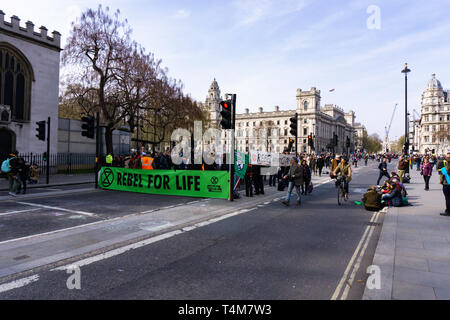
345 170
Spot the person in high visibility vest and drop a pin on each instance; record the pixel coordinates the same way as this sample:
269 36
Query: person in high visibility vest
147 163
109 160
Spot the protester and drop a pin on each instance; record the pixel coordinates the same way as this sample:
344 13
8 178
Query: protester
372 200
444 172
11 170
426 172
295 176
34 174
402 167
383 171
393 195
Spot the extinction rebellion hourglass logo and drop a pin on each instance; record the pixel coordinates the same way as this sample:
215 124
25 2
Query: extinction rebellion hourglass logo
214 187
107 177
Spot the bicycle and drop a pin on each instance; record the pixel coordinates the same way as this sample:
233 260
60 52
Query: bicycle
341 198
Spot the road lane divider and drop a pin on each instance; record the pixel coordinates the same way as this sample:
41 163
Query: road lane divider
343 281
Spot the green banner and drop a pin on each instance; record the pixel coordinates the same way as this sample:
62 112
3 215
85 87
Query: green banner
191 183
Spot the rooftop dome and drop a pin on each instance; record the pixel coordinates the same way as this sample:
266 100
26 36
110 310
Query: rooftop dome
214 84
434 83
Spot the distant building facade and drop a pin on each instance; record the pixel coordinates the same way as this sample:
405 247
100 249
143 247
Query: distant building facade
29 85
319 122
434 128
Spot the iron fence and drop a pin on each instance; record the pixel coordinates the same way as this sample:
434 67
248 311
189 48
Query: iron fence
61 162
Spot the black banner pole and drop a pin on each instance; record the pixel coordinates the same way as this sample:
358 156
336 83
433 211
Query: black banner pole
97 139
48 151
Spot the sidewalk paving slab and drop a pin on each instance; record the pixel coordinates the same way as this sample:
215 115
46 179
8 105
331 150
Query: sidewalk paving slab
413 251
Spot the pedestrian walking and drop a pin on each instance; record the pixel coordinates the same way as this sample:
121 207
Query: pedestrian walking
426 172
248 178
444 172
383 171
320 164
306 177
295 176
402 167
11 166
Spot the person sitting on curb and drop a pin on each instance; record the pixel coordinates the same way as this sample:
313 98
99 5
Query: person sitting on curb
393 195
372 200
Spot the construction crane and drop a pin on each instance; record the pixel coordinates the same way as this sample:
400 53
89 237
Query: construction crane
388 129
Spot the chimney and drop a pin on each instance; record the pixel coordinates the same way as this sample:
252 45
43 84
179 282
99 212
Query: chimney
30 27
277 108
246 110
15 21
56 38
43 32
2 16
260 110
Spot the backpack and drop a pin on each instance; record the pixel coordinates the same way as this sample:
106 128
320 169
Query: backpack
5 166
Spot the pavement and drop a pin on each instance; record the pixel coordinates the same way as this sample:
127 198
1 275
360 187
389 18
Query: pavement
413 251
132 246
54 180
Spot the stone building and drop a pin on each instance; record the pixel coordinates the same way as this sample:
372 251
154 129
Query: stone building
29 85
434 128
270 130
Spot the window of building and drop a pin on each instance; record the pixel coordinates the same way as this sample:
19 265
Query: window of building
305 105
305 131
254 123
285 132
16 76
285 121
278 122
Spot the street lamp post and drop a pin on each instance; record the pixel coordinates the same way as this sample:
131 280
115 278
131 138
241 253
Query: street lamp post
406 71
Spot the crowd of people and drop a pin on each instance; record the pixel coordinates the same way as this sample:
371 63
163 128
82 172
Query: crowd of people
393 191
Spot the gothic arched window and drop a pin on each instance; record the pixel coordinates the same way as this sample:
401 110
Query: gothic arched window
16 76
305 105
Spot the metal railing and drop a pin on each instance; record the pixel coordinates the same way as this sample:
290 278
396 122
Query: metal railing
59 163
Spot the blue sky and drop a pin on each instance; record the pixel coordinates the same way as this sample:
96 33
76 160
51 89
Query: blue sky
264 50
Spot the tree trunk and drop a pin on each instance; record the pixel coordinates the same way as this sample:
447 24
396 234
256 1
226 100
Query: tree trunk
108 139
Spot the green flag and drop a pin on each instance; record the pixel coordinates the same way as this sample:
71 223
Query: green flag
241 163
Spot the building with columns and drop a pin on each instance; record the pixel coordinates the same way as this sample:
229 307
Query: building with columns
434 126
270 130
29 85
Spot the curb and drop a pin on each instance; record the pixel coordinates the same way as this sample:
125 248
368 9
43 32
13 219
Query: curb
385 258
52 185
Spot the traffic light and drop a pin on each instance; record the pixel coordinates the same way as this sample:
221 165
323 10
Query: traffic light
310 140
294 121
41 130
291 143
226 113
44 156
88 127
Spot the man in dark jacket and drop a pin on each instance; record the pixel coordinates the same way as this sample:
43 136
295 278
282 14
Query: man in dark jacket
383 171
372 200
320 164
295 176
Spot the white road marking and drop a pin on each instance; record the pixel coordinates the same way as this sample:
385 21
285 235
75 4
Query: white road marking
139 244
350 264
358 262
57 208
19 211
18 283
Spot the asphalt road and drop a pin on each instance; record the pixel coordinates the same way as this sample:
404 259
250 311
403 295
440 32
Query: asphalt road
272 252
